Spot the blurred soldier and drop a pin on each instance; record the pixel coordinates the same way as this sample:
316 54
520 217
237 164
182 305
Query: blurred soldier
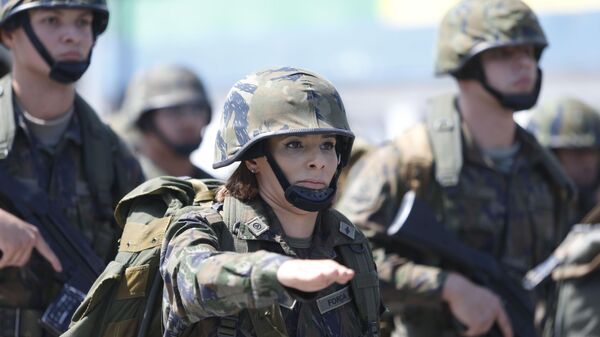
167 110
359 149
483 176
571 129
575 265
53 145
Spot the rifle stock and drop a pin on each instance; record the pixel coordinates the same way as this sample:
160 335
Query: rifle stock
416 228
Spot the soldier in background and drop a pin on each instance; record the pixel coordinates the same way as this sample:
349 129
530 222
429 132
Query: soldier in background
166 110
53 143
485 178
571 130
575 265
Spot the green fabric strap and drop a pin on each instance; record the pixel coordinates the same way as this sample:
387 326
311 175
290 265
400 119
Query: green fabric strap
443 126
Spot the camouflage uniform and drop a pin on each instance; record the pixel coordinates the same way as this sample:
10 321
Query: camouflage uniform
514 212
567 123
212 288
164 86
64 173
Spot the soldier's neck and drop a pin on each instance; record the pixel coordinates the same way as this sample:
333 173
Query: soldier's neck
491 125
295 222
41 96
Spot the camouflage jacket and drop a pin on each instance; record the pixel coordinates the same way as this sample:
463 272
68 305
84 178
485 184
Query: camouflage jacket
204 285
517 217
63 173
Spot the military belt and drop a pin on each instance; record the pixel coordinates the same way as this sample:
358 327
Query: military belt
17 322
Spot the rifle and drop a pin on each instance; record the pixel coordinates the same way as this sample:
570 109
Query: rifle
81 265
415 228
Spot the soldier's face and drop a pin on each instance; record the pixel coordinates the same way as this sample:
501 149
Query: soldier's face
309 161
510 70
581 165
183 124
65 33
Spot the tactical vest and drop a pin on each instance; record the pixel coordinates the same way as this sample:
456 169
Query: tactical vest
125 299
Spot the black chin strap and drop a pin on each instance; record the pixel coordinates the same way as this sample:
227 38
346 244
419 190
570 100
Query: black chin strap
304 198
60 71
515 102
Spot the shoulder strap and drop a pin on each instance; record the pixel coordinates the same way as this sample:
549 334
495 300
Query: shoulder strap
7 119
365 284
266 322
443 126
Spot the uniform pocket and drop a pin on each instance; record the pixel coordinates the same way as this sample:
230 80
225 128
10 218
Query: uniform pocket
106 282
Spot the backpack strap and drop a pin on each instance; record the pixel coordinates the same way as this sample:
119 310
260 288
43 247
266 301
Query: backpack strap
266 322
365 284
443 127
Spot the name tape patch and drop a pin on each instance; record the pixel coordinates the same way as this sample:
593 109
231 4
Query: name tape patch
334 300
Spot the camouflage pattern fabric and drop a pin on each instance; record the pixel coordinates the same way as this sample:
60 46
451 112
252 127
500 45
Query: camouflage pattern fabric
515 217
473 26
566 123
203 284
278 102
163 86
570 124
60 171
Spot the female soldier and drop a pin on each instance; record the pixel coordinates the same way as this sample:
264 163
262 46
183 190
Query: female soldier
289 274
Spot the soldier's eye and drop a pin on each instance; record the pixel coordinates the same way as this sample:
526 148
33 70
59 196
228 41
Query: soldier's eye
294 144
329 145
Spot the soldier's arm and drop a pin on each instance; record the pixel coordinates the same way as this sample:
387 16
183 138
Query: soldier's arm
202 281
371 201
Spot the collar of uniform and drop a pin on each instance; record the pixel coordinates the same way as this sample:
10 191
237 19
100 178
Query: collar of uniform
255 221
72 133
527 154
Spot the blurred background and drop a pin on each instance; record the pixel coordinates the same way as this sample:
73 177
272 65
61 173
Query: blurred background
378 53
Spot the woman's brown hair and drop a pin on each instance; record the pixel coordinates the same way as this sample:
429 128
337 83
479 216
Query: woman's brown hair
241 185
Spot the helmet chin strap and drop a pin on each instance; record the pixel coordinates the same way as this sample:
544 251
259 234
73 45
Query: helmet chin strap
184 150
514 102
65 72
307 199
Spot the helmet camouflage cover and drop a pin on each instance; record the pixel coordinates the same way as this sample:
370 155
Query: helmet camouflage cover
284 101
473 26
566 123
163 86
12 7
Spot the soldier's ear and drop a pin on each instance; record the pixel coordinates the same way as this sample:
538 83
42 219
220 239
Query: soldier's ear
252 165
7 38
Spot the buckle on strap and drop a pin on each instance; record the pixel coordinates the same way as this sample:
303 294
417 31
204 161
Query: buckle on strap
17 322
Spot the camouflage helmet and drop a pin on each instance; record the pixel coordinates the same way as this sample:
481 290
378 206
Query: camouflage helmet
566 123
163 86
284 101
10 9
474 26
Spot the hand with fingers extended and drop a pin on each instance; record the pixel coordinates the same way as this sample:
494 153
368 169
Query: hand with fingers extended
312 275
18 239
475 307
